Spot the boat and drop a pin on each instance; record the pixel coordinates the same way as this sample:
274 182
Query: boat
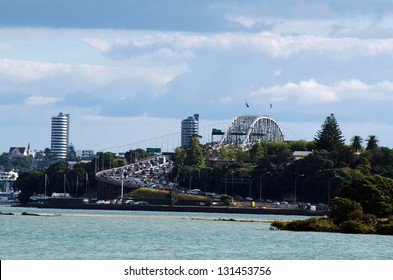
65 199
7 193
41 197
9 197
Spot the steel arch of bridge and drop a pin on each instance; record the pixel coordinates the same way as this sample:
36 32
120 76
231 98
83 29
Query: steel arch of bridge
248 129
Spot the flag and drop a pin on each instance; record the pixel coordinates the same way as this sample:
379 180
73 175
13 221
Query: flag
271 106
247 105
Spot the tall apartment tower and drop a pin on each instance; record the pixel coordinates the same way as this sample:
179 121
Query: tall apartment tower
60 135
189 127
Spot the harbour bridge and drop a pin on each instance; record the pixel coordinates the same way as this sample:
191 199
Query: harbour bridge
243 130
247 130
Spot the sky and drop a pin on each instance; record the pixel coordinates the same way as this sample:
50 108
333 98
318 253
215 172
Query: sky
128 71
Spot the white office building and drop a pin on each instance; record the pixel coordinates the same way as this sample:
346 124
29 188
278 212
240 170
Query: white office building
85 154
189 128
60 135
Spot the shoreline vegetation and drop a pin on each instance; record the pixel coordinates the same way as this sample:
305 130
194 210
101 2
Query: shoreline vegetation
346 217
362 226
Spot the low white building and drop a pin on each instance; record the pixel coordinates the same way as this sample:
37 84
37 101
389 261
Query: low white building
85 154
301 154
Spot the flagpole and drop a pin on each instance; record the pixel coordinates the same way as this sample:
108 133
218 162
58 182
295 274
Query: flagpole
270 106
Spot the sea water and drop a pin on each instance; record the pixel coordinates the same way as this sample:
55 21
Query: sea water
141 235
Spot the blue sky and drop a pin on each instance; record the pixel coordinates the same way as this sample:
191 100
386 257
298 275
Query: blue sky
128 71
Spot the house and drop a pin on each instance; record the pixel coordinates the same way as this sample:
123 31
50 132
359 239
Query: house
301 154
17 152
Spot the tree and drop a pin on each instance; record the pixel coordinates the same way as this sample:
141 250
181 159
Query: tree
300 145
194 155
329 137
356 143
223 153
257 152
106 160
29 183
372 142
179 158
342 208
374 193
132 156
171 197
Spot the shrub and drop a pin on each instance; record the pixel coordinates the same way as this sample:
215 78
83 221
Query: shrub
356 227
312 224
171 197
356 215
227 199
369 218
279 224
386 229
342 208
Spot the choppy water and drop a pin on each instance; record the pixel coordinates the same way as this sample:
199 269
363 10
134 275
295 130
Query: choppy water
117 235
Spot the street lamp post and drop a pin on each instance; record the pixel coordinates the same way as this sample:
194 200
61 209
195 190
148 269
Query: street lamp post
328 198
122 185
189 182
225 180
260 186
301 175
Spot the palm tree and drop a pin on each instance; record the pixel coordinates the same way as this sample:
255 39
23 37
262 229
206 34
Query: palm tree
356 143
372 142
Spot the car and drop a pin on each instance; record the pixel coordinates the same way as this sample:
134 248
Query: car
141 203
102 202
249 198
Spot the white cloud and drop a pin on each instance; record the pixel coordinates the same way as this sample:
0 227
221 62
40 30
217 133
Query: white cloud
385 85
86 75
352 85
98 43
306 92
312 92
245 21
274 44
28 70
6 46
283 26
39 100
277 72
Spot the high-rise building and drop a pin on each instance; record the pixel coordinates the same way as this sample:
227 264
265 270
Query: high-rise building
189 128
60 135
